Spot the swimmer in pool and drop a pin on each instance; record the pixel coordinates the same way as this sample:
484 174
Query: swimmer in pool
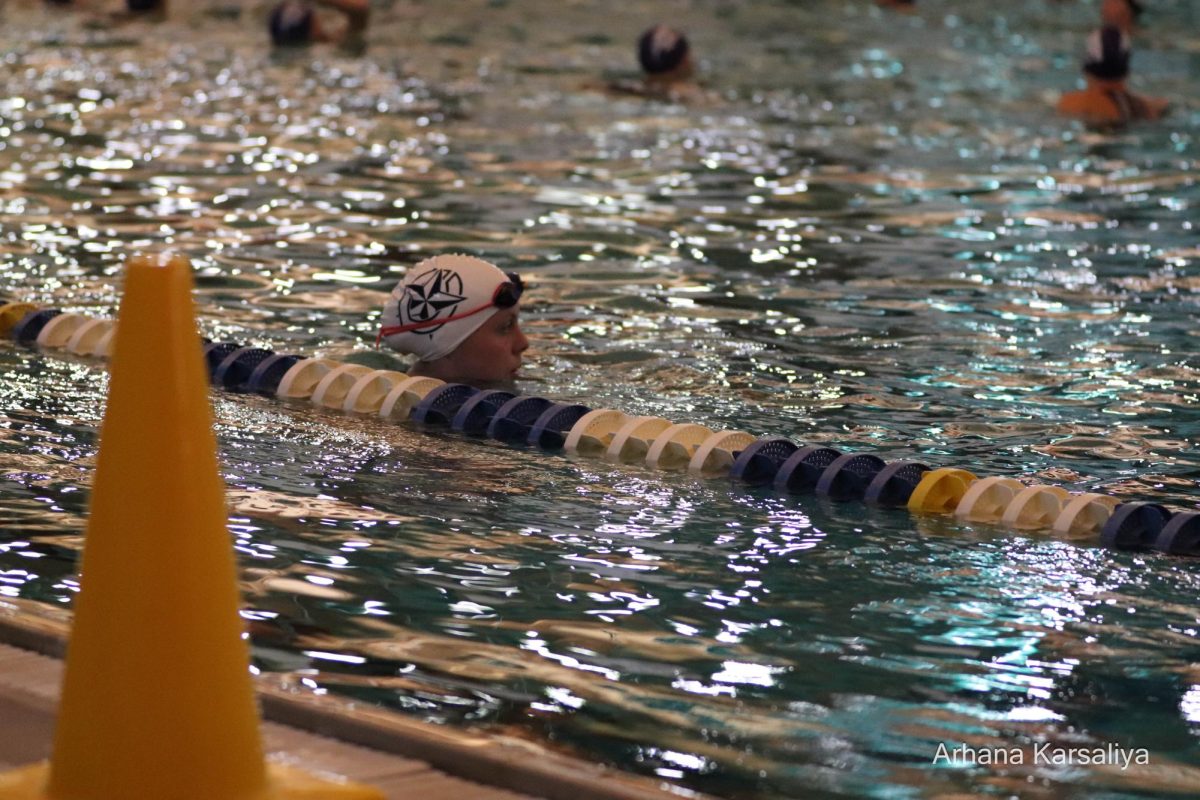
1106 100
665 56
459 316
667 67
296 22
907 6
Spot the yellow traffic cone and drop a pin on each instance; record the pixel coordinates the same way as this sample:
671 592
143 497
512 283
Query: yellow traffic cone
157 698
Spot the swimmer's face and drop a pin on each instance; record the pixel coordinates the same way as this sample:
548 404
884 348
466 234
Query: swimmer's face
1117 13
490 355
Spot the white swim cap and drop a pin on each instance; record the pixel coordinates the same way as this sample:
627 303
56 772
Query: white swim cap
440 302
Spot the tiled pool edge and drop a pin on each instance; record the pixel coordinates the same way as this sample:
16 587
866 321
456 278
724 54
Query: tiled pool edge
502 762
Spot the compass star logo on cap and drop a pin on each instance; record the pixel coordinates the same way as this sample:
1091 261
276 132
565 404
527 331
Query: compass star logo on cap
440 302
434 294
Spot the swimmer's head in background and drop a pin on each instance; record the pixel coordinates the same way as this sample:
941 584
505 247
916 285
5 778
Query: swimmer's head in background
662 50
443 300
1122 13
1107 55
291 23
142 5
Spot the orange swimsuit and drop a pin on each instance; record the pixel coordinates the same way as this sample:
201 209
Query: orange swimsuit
1109 105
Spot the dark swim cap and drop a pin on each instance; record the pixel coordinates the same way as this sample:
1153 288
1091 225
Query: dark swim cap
661 49
1108 55
142 5
291 23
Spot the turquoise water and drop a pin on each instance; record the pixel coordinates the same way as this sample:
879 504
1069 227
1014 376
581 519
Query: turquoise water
872 233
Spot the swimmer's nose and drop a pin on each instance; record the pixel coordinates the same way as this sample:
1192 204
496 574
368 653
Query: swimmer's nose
522 342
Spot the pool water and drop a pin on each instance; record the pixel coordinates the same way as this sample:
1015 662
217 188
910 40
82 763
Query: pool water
870 233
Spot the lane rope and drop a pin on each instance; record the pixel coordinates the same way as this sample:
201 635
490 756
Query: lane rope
655 442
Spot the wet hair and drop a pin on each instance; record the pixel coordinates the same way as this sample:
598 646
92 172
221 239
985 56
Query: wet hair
142 5
291 23
661 49
1108 55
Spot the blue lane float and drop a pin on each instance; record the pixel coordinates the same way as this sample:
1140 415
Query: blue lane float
515 418
26 331
893 485
1181 535
1134 526
439 406
549 431
270 371
235 369
217 352
802 469
761 461
847 476
476 413
540 422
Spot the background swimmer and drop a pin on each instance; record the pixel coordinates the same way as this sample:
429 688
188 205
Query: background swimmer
296 22
665 56
459 316
1106 100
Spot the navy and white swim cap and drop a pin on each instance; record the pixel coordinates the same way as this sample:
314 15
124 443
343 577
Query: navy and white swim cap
1108 54
661 49
291 23
441 301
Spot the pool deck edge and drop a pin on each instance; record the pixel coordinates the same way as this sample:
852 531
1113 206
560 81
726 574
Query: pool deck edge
507 763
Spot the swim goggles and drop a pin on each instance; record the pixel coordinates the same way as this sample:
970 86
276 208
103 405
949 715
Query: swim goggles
506 296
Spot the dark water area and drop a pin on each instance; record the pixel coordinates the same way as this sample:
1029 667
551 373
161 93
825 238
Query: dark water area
868 231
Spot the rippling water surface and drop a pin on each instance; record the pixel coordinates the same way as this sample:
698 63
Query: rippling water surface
871 232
